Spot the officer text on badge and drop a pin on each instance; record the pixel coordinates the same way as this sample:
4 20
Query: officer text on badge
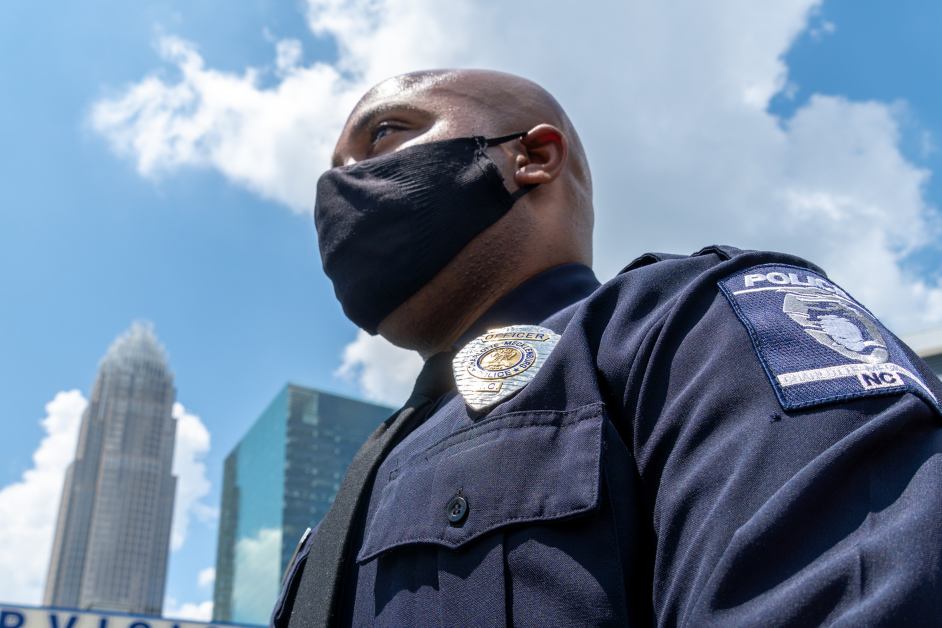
496 365
816 342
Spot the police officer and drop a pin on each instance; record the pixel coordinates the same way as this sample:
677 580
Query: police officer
726 438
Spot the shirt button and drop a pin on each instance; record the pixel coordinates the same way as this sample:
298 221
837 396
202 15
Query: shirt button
457 509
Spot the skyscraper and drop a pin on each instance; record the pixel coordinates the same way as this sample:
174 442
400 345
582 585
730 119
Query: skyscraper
281 478
113 533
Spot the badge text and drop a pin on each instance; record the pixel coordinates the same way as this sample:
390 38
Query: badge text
515 335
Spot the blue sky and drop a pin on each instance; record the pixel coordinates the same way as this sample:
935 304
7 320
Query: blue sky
886 52
222 257
232 283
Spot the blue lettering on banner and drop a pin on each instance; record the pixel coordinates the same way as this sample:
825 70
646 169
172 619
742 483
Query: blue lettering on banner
815 342
11 619
103 622
139 624
54 621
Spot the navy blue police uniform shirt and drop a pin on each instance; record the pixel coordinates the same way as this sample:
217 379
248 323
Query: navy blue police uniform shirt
723 439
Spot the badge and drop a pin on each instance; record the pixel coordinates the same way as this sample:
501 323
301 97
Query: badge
496 365
817 344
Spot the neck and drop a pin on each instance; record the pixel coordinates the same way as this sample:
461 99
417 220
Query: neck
432 320
528 302
519 246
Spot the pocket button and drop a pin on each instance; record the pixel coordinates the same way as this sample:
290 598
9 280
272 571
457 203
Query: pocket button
457 509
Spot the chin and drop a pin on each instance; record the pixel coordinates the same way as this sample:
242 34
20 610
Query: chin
427 329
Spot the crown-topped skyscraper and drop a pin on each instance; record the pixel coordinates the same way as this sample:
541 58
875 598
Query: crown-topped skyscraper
113 533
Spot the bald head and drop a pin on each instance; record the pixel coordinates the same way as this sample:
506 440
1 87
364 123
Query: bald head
550 226
441 104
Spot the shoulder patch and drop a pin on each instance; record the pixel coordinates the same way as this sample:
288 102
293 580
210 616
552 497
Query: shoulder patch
816 343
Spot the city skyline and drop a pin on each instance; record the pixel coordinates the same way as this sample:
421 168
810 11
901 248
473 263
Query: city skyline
112 539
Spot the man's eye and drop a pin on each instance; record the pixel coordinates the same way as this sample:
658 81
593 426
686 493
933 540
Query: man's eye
382 132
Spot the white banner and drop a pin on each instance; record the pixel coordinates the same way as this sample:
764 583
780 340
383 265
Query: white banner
30 617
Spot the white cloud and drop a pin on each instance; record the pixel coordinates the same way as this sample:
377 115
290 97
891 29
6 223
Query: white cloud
192 444
257 574
212 119
288 55
275 141
28 508
193 612
671 100
384 372
206 576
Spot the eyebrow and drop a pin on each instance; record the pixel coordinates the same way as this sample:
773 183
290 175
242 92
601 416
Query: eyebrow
364 121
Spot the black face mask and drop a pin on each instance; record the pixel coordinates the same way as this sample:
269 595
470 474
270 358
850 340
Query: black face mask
387 225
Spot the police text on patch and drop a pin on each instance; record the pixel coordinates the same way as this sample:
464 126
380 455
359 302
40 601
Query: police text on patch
775 279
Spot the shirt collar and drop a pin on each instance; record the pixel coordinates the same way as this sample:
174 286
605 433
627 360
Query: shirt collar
535 300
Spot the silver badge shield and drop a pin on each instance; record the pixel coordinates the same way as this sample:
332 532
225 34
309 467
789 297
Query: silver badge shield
494 366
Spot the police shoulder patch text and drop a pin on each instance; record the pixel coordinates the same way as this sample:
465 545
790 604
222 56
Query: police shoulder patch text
496 365
816 343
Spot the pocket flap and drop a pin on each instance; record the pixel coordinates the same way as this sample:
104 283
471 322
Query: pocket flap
515 468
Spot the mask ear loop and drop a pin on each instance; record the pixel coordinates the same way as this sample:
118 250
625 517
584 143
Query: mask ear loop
506 138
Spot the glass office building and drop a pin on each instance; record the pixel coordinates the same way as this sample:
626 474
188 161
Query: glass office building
113 533
279 480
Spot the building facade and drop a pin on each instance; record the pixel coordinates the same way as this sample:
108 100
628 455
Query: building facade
113 532
279 480
927 344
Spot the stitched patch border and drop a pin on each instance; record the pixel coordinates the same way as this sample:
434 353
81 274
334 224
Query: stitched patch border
816 343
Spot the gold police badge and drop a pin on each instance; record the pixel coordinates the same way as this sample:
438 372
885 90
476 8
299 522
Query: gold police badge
494 366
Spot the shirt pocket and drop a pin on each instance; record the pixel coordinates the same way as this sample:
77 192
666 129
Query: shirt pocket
517 468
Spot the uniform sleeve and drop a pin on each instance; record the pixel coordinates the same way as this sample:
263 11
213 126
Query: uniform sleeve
826 514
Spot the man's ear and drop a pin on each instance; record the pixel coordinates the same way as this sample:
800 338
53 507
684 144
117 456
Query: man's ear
543 155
